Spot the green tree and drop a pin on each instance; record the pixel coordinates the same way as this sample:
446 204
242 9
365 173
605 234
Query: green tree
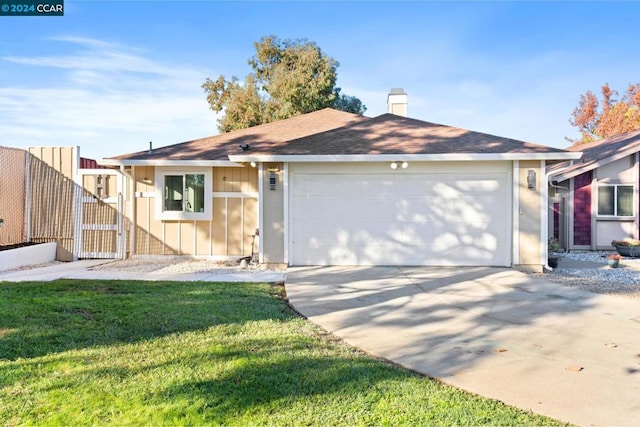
606 117
289 78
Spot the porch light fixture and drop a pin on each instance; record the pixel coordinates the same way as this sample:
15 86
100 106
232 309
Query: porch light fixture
272 180
395 165
531 179
253 164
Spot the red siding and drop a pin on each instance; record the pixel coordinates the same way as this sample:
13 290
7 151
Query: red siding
582 209
89 164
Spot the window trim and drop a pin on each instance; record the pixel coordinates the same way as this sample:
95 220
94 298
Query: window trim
161 214
615 200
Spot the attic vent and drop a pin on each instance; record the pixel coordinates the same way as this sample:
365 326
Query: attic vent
273 167
244 146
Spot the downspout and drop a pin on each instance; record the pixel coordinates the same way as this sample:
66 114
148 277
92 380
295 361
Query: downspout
545 215
132 208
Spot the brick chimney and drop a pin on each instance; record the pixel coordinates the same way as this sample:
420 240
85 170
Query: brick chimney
397 102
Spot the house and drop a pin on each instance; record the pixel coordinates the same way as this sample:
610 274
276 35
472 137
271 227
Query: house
594 200
334 188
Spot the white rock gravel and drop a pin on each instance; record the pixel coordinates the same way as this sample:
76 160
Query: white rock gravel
175 265
623 281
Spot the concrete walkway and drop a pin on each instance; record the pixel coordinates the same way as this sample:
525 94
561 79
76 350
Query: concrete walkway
81 270
558 351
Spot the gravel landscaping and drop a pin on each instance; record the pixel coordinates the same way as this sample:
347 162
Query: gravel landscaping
599 278
170 264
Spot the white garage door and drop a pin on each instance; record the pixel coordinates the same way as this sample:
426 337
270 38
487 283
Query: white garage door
428 214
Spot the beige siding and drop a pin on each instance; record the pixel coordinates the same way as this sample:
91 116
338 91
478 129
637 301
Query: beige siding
530 247
250 216
219 226
234 217
234 222
203 238
243 180
272 237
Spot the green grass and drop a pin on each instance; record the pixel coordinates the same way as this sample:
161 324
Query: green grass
167 353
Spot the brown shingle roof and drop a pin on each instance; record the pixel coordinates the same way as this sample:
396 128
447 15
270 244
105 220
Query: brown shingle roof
331 132
260 138
392 134
597 152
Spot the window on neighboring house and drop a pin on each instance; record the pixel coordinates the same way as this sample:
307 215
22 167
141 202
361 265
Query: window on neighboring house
183 194
615 200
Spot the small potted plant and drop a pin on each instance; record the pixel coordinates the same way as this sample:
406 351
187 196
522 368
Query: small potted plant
552 253
627 247
613 260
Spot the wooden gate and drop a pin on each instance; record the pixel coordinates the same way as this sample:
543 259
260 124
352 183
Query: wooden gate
100 228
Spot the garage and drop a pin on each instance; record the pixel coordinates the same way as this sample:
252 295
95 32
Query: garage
428 213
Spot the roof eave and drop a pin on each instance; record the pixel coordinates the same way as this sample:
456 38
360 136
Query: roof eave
166 162
298 158
579 169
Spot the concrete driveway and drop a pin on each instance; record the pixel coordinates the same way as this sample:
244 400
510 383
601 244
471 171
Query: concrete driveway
558 351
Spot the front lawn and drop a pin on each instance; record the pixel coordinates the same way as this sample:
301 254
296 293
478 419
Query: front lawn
167 353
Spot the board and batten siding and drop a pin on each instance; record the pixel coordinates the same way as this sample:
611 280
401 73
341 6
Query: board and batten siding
228 233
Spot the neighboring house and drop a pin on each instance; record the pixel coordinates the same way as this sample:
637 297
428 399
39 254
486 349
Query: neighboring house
334 188
595 200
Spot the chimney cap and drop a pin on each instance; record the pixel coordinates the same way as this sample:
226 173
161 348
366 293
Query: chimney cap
397 91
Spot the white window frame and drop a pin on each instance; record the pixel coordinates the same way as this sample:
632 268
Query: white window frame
161 214
615 200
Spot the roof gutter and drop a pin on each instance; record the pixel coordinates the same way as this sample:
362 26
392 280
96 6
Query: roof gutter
303 158
166 162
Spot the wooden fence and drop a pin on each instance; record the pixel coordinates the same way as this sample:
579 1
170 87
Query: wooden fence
38 197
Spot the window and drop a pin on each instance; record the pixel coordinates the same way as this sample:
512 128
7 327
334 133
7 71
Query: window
183 194
615 200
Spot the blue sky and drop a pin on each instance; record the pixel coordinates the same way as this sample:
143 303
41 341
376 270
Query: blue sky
110 76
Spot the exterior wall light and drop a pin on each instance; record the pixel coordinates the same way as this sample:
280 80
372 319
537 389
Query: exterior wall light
253 164
396 165
531 179
272 180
